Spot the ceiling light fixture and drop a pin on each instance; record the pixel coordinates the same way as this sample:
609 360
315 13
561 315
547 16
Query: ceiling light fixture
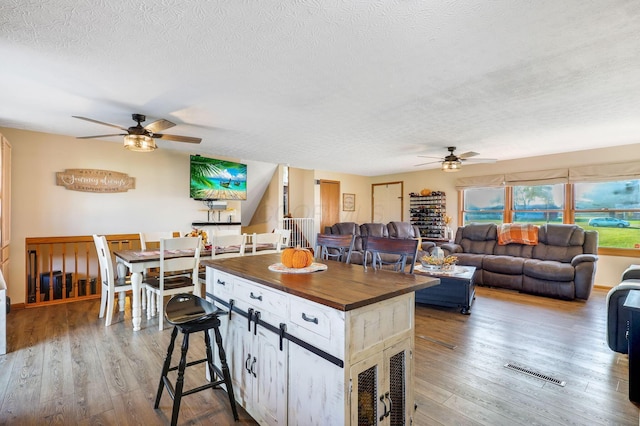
139 143
451 165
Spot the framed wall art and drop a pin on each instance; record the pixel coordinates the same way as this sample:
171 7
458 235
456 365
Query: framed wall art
349 202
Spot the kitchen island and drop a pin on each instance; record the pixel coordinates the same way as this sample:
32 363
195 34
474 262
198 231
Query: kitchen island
328 347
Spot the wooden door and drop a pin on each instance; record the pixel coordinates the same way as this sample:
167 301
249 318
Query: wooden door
329 203
387 202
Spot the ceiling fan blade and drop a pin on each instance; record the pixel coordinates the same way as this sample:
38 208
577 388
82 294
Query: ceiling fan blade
177 138
481 160
100 122
430 156
101 136
429 162
159 125
467 155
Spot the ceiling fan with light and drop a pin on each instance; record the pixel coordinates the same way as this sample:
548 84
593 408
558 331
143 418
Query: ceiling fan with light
141 138
453 163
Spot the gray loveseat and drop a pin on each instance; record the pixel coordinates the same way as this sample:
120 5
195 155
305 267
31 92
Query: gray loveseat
562 264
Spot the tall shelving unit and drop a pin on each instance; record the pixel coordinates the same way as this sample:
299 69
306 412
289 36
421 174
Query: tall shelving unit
427 213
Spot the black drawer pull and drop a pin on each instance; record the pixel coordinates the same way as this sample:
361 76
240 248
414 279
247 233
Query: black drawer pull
219 281
309 319
246 363
253 364
253 296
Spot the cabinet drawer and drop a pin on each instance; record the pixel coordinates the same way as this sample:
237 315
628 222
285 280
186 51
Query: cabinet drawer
311 317
321 326
270 303
220 284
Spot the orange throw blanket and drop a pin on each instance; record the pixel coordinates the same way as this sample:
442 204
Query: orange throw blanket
518 233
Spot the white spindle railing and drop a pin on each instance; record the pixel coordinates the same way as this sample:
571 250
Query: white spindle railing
302 231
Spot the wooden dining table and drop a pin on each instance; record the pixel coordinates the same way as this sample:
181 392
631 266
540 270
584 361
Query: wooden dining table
138 261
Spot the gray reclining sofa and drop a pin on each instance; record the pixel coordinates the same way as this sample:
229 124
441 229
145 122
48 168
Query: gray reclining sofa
562 264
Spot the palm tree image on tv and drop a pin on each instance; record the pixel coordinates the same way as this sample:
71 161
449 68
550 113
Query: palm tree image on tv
213 179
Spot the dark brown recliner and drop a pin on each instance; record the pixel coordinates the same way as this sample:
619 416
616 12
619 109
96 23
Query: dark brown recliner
403 230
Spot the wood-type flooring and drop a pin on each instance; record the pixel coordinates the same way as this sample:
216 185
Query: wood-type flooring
65 367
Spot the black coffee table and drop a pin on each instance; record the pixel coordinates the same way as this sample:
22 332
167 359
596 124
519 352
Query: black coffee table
456 288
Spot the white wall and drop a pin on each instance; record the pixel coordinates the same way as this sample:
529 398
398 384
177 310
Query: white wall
301 202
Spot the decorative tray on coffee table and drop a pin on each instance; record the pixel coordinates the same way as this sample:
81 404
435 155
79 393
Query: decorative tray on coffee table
439 270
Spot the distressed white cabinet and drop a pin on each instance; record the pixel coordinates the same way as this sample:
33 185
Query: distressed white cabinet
307 359
380 387
258 366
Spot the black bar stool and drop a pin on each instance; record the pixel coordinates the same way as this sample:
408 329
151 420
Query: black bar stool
189 314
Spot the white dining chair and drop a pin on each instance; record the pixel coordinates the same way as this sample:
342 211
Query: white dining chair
225 245
151 240
177 274
267 242
110 284
220 232
230 245
286 236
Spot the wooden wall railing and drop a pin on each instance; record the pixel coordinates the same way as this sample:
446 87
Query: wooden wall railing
49 259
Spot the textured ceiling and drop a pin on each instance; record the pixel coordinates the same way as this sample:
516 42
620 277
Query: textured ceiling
362 87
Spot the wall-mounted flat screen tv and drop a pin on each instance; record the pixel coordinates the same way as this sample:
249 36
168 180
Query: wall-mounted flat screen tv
213 179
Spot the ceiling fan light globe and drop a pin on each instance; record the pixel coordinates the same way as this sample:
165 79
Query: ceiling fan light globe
451 166
139 143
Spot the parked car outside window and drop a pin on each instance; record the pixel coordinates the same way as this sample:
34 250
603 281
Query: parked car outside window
608 221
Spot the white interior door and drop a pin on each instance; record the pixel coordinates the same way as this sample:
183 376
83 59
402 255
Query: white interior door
387 202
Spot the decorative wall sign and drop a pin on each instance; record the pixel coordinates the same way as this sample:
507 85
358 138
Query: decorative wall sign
95 180
349 202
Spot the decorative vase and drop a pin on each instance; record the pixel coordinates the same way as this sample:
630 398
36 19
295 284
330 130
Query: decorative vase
448 233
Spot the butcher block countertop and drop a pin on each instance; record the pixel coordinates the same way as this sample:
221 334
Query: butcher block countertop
341 286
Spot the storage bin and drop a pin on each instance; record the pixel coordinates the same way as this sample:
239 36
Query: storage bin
82 286
57 285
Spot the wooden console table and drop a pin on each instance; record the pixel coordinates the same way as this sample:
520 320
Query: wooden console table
331 347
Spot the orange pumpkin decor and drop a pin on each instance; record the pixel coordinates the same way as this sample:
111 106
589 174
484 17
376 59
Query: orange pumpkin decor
296 257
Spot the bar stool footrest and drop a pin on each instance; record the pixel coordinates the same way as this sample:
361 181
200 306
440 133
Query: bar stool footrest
189 364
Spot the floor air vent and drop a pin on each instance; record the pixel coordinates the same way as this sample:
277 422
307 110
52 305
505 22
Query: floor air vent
535 374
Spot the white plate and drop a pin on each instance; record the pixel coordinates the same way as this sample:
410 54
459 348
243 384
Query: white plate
314 267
